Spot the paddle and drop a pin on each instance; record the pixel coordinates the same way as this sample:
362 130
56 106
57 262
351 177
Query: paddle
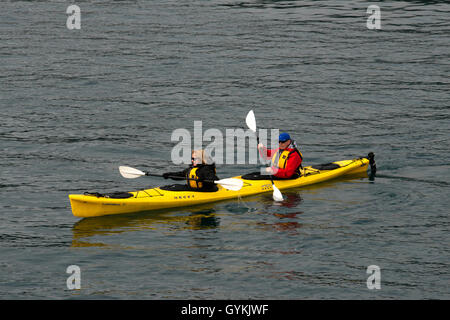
132 173
250 120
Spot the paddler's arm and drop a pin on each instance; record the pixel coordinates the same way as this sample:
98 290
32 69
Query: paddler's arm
265 153
181 175
207 173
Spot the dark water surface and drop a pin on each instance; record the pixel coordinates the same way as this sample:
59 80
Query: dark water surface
76 104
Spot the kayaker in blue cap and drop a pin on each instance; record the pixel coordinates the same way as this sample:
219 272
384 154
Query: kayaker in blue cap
202 168
286 160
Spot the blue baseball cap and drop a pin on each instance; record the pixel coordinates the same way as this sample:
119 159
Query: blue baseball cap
284 137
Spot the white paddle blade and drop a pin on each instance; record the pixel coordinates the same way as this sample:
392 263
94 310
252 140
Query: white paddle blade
130 173
251 121
277 196
231 184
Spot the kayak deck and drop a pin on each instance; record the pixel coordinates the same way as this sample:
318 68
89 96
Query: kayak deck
89 205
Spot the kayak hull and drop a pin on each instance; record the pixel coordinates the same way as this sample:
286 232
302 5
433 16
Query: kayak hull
85 206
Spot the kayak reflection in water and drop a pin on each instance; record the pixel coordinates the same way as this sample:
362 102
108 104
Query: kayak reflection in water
199 175
286 160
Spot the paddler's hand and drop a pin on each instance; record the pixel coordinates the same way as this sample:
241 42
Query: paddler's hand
269 170
260 146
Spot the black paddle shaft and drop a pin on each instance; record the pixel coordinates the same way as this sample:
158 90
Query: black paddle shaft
175 177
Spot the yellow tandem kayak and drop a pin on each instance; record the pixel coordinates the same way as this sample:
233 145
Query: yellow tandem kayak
95 205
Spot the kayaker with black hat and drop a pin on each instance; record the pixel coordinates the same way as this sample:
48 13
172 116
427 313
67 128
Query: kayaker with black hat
286 160
202 169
